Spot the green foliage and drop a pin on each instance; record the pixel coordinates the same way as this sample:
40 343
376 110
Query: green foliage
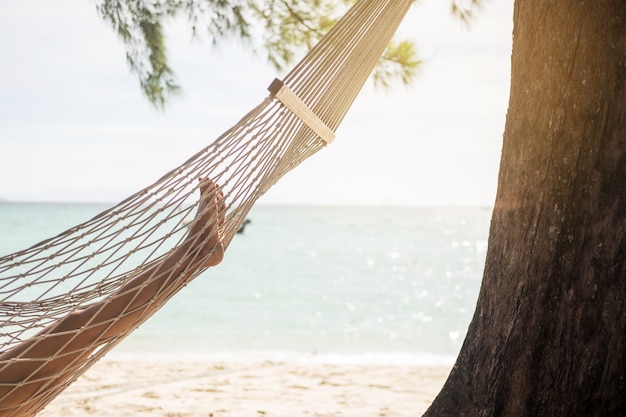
289 28
465 10
139 24
398 61
286 29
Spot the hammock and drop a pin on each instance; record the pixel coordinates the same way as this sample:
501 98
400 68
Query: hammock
147 246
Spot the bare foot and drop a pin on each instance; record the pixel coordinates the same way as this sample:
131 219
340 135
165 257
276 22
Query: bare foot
208 226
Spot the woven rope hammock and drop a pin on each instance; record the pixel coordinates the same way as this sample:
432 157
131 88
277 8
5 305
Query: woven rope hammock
68 300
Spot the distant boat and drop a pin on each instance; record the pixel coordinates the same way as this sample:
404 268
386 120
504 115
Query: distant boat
243 226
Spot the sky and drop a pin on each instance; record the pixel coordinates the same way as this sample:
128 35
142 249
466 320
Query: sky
75 127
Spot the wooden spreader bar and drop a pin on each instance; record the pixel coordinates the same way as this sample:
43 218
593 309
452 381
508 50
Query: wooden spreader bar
282 92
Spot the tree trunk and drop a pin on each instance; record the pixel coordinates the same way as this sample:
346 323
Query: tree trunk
549 331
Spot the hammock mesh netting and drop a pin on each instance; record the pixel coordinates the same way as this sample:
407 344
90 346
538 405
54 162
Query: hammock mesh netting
68 300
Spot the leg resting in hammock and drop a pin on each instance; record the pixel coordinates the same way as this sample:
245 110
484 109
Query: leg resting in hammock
47 359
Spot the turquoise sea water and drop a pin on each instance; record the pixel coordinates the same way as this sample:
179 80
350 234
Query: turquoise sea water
351 281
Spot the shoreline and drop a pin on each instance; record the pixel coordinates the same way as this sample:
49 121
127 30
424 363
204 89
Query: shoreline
427 360
252 385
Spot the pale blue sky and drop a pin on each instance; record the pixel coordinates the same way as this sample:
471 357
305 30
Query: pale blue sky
75 127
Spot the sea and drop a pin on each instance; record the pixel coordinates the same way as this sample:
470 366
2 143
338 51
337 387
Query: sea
362 283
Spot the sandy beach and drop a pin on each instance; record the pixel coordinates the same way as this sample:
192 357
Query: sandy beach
259 387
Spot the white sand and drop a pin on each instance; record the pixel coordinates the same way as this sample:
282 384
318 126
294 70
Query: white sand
262 387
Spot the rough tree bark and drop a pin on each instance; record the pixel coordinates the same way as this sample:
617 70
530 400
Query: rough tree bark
548 337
